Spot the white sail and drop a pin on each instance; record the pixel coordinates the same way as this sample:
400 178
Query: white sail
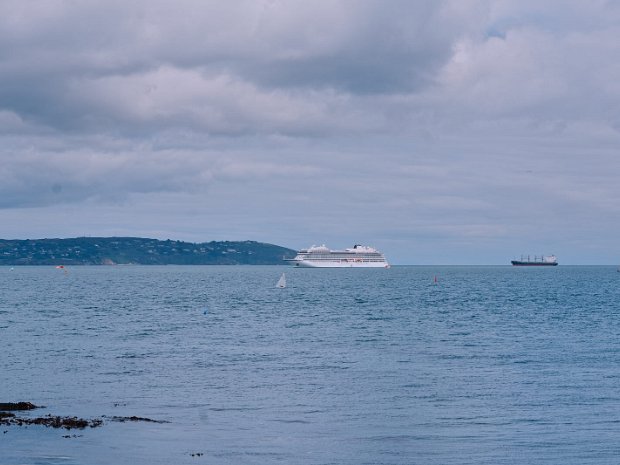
281 281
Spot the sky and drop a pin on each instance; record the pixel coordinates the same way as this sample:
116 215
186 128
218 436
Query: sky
439 131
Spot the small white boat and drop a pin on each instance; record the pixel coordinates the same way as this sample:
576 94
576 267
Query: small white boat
281 282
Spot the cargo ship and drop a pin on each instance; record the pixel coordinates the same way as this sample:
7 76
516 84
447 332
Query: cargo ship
543 260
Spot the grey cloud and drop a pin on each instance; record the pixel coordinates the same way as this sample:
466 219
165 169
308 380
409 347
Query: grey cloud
447 122
54 57
369 49
33 178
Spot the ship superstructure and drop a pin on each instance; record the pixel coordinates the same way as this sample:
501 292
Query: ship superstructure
358 256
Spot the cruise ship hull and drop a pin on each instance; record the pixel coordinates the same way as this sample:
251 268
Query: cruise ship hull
336 264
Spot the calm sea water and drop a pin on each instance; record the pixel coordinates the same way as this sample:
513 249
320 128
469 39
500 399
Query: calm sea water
491 365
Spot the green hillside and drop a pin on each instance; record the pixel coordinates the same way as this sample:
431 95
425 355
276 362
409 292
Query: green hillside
139 251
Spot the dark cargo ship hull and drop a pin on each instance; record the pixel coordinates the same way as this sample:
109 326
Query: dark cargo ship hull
518 263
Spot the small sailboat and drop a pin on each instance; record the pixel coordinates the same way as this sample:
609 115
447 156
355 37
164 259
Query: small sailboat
281 282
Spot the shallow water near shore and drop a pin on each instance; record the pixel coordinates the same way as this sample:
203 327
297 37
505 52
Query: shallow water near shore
490 365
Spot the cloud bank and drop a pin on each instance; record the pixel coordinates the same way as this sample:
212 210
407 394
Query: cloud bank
468 129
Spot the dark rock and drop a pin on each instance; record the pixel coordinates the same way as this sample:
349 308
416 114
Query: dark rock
53 422
50 421
63 422
9 406
134 418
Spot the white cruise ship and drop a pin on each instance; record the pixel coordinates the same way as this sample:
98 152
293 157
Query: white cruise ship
358 256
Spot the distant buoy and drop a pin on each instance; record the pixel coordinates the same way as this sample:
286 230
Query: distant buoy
435 280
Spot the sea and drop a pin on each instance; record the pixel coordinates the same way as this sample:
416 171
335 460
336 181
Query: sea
408 365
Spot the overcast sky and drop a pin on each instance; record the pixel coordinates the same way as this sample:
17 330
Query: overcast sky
441 132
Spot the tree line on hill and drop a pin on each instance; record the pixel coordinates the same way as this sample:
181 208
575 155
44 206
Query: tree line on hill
138 251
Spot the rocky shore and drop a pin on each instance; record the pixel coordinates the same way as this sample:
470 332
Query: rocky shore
8 418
